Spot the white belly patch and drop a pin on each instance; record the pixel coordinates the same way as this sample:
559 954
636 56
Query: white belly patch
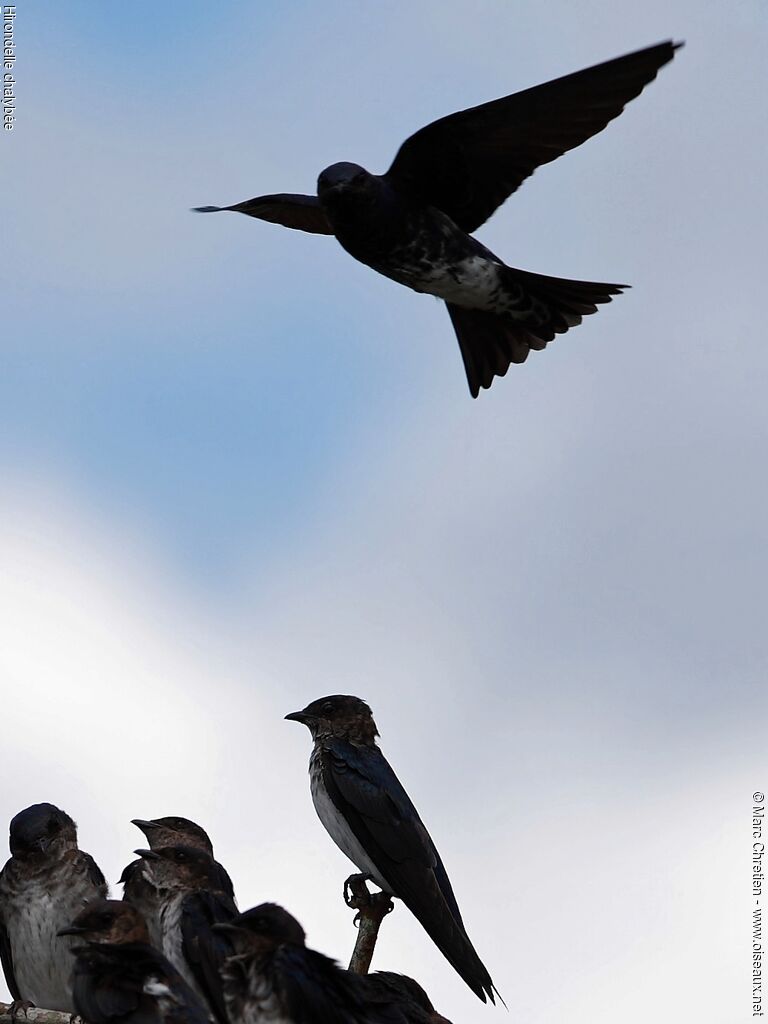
342 834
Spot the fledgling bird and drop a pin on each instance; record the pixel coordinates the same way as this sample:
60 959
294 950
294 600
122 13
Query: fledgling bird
272 978
46 882
414 223
191 901
370 817
136 879
119 978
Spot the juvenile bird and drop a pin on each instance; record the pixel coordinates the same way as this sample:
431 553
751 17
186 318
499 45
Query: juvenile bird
191 901
136 879
119 978
406 990
272 977
46 882
414 223
370 817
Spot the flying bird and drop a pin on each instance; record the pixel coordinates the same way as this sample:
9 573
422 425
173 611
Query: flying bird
190 901
370 817
414 223
272 977
46 882
136 879
119 978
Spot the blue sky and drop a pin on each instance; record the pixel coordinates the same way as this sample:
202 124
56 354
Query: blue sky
240 471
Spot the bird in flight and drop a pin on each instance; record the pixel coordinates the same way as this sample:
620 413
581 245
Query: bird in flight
414 223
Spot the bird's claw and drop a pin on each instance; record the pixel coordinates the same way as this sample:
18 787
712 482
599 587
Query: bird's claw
20 1006
356 891
375 905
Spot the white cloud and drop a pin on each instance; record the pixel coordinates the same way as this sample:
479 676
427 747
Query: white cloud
586 895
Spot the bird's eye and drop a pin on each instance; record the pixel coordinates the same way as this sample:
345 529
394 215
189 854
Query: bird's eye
181 856
328 706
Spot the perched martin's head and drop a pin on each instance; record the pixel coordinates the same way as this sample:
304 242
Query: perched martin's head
264 927
340 177
346 717
174 831
108 921
181 867
40 829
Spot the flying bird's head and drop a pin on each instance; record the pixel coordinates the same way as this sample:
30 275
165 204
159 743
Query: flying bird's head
42 829
108 921
174 831
343 716
181 868
342 177
263 929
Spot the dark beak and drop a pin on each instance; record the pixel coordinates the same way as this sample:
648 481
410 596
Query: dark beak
226 926
298 716
148 854
143 825
74 929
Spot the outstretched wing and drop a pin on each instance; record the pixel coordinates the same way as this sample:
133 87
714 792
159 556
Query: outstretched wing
468 163
302 212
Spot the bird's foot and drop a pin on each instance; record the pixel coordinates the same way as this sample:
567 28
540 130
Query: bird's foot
372 905
355 890
19 1006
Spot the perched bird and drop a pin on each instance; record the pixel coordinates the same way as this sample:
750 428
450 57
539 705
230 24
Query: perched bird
414 223
119 978
272 977
46 882
135 879
370 817
191 901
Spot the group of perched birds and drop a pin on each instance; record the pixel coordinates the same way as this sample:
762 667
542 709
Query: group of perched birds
414 223
176 949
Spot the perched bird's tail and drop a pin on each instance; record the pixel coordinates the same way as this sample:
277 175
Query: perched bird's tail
434 906
489 342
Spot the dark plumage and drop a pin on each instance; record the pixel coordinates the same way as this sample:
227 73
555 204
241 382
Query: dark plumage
370 817
136 879
190 901
399 987
119 978
413 223
273 977
44 884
